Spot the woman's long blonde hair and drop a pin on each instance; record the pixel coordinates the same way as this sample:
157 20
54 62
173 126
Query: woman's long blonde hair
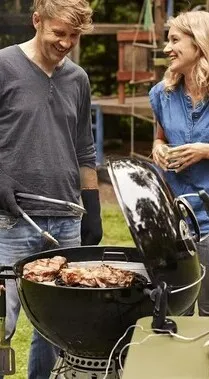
78 13
196 25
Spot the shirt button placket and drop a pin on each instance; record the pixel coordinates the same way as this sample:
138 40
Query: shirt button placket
51 86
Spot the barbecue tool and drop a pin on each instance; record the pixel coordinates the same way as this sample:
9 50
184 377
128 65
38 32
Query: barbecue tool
74 207
77 209
45 234
7 354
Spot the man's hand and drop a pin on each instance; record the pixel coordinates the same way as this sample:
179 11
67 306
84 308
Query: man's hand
188 154
91 223
8 188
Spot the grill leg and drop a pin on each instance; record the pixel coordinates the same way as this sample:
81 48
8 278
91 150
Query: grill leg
55 373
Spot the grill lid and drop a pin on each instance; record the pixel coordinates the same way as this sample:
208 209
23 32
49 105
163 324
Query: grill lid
156 220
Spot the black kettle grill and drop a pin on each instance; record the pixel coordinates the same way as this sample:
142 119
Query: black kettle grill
89 321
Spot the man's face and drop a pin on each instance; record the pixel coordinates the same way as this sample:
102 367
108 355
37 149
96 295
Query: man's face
55 38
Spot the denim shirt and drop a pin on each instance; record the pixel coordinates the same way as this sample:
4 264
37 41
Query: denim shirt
182 123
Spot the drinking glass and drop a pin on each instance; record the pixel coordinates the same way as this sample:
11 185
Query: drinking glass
171 156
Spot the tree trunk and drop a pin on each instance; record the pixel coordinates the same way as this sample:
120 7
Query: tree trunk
159 16
17 6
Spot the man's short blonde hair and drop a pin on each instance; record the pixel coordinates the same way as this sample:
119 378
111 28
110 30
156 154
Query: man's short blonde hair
78 13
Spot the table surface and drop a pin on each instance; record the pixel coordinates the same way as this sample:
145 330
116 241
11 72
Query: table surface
167 357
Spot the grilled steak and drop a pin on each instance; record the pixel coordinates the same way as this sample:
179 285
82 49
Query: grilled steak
76 276
43 270
99 276
57 271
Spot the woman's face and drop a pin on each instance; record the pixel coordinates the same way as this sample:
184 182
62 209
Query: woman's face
181 51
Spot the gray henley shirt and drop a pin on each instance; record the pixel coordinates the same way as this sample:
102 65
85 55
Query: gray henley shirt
45 129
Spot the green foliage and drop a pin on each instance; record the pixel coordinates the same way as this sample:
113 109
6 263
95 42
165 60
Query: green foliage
115 11
100 62
99 54
9 5
185 5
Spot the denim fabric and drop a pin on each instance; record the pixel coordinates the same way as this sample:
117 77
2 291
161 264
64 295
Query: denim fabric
184 124
203 298
17 243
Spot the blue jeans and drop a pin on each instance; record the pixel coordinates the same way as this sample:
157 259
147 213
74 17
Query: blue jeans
203 297
18 242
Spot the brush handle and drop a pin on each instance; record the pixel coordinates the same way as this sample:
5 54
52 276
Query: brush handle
2 300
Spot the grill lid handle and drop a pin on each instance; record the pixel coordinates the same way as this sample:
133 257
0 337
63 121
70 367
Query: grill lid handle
114 256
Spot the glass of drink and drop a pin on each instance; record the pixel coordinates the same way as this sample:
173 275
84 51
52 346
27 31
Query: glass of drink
172 157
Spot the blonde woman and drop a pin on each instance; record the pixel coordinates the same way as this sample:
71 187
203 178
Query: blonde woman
46 148
181 105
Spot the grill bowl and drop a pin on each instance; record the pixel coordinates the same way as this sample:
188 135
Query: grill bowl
83 321
89 321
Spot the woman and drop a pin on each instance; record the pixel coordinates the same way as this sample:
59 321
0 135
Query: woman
181 105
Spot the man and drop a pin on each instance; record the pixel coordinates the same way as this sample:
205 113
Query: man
46 148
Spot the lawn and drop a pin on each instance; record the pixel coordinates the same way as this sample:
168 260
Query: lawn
116 232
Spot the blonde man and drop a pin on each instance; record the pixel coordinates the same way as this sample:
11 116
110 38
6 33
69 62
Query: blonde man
46 147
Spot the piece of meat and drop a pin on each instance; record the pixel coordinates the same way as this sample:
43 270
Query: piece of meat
99 276
58 262
30 266
108 276
41 274
78 276
57 269
45 269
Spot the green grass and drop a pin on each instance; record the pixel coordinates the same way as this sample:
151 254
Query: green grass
115 232
20 343
115 229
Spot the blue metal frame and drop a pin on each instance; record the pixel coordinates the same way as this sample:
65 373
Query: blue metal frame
98 129
170 8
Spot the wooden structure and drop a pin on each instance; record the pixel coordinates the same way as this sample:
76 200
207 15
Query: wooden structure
138 48
142 58
110 105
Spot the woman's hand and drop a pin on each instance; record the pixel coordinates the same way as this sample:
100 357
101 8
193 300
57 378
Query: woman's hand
159 153
188 154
